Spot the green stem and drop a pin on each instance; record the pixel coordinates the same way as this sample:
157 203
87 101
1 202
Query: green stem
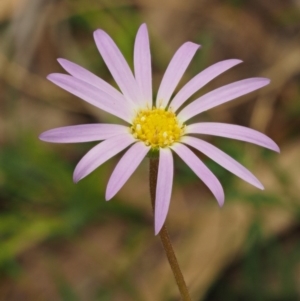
165 239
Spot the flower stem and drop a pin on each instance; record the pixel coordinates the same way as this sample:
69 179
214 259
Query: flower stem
164 236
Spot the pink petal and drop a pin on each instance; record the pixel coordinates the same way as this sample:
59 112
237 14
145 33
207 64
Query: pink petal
200 170
125 168
163 187
142 65
200 80
92 95
222 95
174 72
101 153
90 78
83 133
117 66
223 159
232 131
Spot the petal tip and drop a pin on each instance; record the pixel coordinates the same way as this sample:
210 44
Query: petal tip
221 202
192 44
265 81
45 136
274 147
143 26
108 194
261 81
42 136
157 230
158 224
51 76
63 62
76 177
98 33
259 185
238 61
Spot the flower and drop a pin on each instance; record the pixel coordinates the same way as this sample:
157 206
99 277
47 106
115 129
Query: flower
162 126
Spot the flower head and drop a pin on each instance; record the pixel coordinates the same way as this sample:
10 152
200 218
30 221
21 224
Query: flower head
161 125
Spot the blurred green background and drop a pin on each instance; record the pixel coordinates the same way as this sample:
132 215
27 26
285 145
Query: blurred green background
61 241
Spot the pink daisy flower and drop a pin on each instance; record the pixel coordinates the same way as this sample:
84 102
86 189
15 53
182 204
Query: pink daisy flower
161 125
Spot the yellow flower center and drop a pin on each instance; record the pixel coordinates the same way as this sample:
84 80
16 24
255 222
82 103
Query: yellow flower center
157 127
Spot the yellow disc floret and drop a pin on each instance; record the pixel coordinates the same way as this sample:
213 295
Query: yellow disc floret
157 127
